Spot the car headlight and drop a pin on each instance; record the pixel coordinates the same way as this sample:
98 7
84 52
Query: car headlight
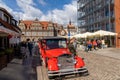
74 61
59 65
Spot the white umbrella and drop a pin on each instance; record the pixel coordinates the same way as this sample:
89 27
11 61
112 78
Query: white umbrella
87 34
104 33
67 36
78 36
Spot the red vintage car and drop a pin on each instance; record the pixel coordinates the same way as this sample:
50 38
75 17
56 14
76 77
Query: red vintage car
58 60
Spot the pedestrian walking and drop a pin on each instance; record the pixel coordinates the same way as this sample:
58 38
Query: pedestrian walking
36 48
103 43
23 47
89 45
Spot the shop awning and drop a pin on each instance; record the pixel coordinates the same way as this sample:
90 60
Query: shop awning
4 30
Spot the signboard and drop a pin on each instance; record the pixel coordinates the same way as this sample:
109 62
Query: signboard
62 32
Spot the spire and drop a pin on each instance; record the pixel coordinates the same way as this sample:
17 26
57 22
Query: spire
70 22
36 19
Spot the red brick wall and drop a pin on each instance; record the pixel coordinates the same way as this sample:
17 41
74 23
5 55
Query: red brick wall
117 22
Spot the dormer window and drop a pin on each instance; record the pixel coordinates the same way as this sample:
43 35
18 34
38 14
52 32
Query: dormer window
40 28
22 26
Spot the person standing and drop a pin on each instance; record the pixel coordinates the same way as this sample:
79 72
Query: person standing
72 47
94 44
75 43
89 44
30 46
85 45
103 43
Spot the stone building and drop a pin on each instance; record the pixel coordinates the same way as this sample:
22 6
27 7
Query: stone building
35 29
72 30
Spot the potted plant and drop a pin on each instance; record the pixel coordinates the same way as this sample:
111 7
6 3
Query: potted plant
10 54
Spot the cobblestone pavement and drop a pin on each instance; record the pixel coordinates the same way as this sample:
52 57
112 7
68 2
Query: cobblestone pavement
100 67
21 69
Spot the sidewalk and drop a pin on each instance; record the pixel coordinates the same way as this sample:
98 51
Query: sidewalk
19 69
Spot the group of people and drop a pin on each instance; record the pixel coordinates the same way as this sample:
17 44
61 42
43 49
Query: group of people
32 47
88 45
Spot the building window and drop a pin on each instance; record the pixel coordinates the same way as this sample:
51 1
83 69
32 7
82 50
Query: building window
6 18
37 28
40 28
34 34
107 26
50 28
1 14
28 33
23 33
39 33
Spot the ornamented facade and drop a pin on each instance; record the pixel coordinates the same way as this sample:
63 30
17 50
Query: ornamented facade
71 29
35 29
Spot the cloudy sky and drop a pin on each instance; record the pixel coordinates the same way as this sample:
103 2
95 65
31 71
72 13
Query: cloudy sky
60 11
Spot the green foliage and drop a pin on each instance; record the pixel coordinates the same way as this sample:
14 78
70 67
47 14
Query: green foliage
9 51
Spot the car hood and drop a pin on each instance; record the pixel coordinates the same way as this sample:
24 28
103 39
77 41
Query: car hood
56 52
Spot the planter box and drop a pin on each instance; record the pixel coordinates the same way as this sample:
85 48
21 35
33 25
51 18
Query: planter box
10 57
3 61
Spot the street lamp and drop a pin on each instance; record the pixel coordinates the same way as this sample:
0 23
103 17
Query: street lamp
69 33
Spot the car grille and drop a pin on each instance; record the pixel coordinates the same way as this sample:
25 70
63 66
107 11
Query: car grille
66 61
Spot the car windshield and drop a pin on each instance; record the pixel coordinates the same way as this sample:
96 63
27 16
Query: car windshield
55 43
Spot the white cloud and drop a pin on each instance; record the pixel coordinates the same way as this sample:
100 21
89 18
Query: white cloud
69 12
29 11
42 2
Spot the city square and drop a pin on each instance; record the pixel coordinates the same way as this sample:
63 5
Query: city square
60 40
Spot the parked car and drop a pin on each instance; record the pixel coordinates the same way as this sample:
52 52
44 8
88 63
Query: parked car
58 60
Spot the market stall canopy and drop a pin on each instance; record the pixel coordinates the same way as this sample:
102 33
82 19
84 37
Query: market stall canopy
104 33
87 34
78 36
8 31
67 36
83 35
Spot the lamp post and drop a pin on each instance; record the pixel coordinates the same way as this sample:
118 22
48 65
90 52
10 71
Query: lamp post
110 21
69 33
54 30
